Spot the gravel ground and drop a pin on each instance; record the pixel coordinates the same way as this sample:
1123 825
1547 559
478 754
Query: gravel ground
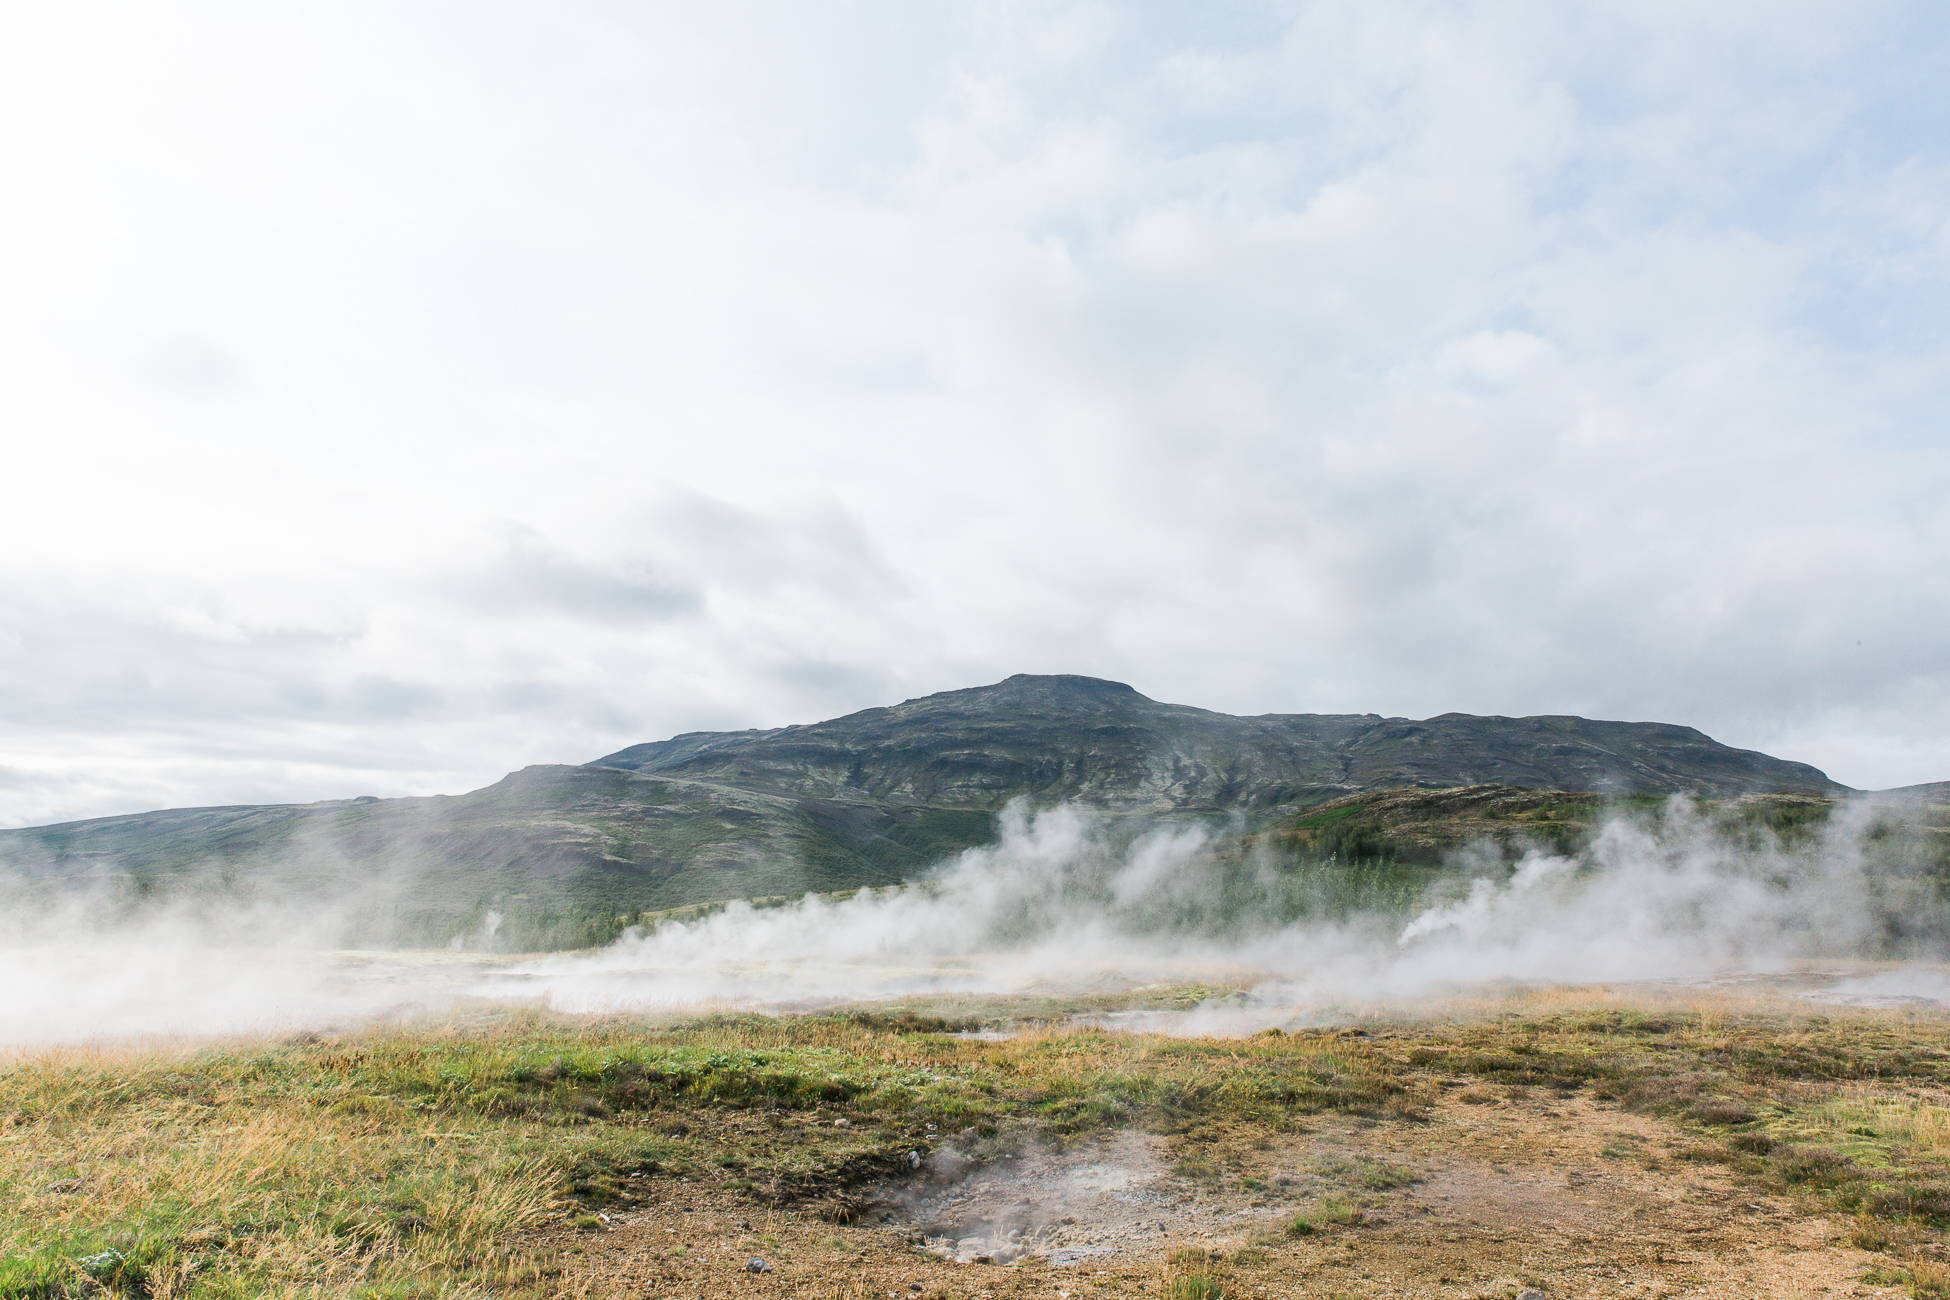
1498 1193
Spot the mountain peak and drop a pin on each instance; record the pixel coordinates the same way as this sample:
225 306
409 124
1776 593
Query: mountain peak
1057 690
1064 681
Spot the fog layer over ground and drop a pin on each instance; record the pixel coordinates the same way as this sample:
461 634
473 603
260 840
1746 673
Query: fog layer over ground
1068 901
80 968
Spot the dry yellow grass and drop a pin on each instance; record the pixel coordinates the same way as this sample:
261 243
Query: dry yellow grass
212 1188
1921 1124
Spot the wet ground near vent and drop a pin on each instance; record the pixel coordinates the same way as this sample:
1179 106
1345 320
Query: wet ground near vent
1498 1192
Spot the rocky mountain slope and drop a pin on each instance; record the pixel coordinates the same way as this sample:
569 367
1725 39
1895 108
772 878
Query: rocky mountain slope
868 799
1102 743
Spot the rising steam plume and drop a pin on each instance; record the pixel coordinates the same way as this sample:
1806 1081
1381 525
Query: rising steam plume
1067 900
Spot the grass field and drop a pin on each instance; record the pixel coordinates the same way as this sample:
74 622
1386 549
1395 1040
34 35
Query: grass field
468 1157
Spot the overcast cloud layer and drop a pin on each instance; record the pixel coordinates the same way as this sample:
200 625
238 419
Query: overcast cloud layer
394 395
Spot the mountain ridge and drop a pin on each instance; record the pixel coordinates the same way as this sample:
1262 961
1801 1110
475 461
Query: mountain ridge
925 750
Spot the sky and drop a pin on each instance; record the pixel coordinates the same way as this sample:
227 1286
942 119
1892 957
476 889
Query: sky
394 395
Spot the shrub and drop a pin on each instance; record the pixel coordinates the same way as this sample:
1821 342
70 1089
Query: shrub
1722 1114
1929 1201
1811 1164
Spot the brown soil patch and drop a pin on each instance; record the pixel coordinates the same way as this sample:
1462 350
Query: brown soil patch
1571 1197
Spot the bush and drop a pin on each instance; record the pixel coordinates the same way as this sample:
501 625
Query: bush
1811 1164
1923 1202
1722 1114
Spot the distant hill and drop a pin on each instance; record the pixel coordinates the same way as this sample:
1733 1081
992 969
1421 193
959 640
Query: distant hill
868 799
1102 743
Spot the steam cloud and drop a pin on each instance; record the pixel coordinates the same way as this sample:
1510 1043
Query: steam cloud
1064 901
1068 900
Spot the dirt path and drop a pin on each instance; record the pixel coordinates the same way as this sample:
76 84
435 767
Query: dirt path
1570 1197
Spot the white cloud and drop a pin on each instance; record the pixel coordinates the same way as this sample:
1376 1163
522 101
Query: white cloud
398 395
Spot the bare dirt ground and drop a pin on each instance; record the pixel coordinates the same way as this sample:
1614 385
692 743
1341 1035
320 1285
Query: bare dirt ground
1499 1192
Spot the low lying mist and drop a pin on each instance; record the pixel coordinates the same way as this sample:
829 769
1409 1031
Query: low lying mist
1069 901
81 967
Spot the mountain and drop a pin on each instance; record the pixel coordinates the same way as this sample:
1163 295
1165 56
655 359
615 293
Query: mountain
1102 743
868 799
